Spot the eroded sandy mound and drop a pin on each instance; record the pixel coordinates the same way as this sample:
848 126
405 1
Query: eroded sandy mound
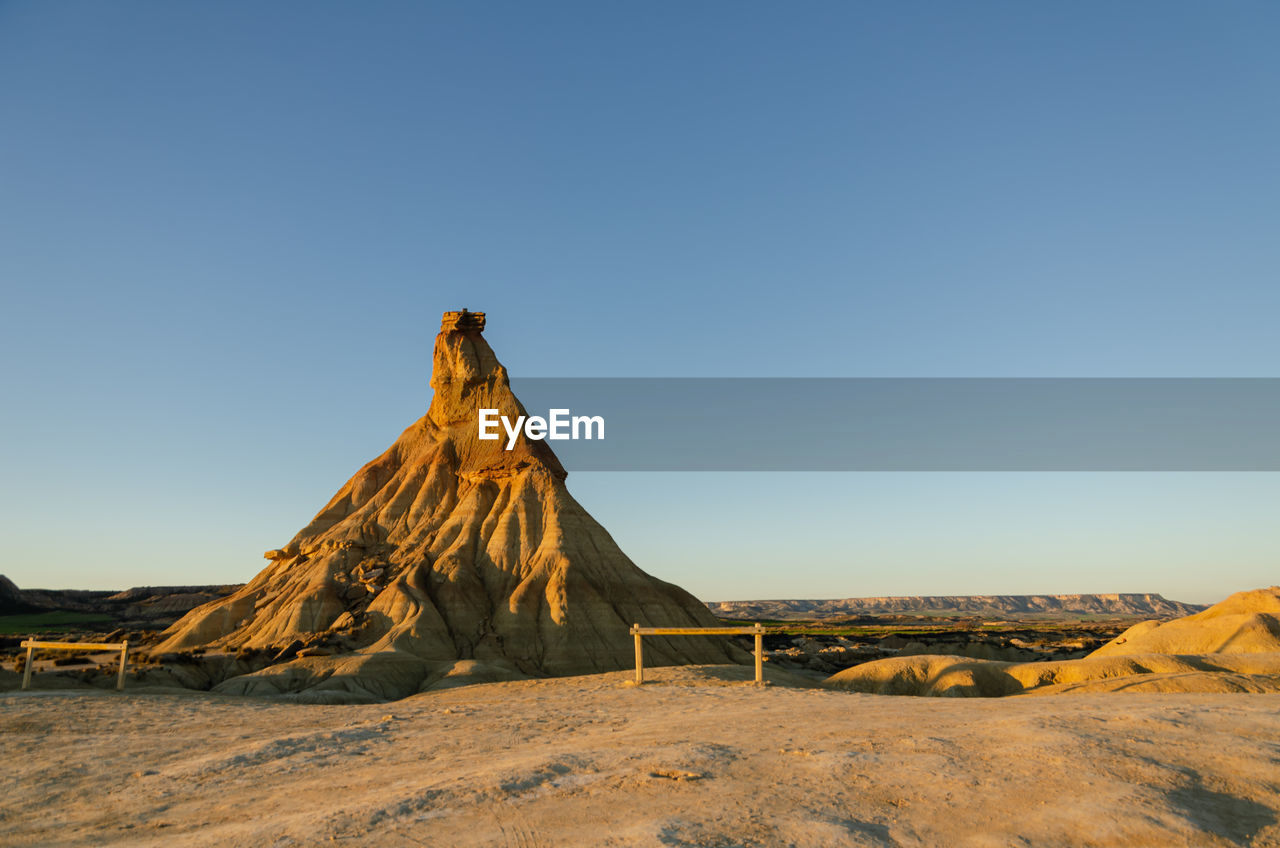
365 678
1233 646
948 676
1245 623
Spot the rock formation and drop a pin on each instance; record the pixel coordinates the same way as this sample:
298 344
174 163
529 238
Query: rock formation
1245 623
1233 646
11 599
445 559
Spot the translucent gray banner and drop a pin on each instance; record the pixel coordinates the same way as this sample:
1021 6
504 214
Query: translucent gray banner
891 424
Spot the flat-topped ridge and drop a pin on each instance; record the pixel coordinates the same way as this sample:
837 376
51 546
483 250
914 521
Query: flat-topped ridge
1125 604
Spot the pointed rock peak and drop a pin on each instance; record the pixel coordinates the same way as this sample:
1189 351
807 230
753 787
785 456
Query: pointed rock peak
464 370
444 555
467 377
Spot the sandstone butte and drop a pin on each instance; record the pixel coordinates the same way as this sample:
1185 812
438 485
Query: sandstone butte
1233 646
446 560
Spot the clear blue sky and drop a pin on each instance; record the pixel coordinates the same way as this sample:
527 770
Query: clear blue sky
227 232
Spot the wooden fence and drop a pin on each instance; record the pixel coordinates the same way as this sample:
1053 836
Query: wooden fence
757 631
31 645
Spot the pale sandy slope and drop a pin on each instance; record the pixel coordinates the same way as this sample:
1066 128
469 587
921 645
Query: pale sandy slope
1233 646
592 761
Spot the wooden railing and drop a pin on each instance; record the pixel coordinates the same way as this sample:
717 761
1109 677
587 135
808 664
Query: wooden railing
32 644
757 631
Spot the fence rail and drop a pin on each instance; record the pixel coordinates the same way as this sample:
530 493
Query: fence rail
32 644
758 631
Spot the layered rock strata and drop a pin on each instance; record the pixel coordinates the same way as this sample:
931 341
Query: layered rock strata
449 556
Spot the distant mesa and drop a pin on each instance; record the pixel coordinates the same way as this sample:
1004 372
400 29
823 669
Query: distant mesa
446 560
140 608
1122 605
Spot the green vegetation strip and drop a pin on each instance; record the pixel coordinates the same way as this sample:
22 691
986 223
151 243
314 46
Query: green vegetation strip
44 622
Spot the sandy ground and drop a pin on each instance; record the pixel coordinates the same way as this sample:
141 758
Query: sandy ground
695 758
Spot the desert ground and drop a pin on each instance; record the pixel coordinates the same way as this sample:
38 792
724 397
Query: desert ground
697 757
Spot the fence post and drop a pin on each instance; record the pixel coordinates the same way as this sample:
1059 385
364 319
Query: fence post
26 672
759 654
124 653
635 628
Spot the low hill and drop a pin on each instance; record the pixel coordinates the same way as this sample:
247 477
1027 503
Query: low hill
139 607
1233 646
1245 623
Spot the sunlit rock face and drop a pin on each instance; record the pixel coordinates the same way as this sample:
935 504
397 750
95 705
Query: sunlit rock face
449 549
